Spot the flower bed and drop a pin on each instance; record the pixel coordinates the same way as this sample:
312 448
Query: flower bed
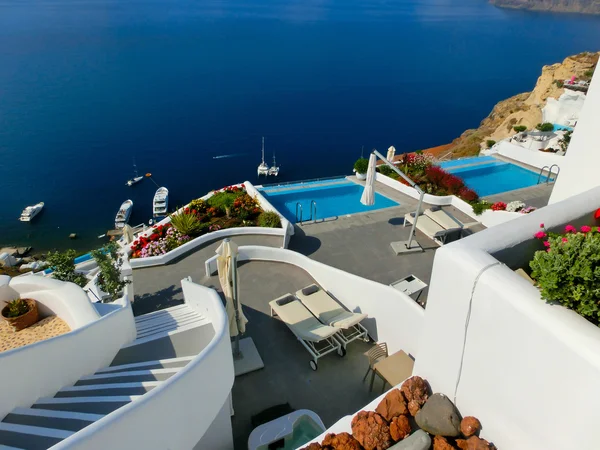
515 206
430 178
229 207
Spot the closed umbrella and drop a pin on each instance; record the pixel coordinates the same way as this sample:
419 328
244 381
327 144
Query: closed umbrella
368 195
391 153
227 268
128 233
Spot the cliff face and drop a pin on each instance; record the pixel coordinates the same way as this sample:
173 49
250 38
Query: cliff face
571 6
524 109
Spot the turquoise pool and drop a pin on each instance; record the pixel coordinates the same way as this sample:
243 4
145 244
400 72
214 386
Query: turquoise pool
333 198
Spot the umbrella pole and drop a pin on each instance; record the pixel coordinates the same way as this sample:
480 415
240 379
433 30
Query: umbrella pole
236 347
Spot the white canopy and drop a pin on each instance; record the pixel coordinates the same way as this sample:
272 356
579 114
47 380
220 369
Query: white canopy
368 195
227 252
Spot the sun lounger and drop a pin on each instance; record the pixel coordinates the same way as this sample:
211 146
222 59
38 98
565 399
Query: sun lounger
317 338
434 230
331 313
444 218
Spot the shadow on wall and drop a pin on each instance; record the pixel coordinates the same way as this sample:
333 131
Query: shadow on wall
301 243
157 300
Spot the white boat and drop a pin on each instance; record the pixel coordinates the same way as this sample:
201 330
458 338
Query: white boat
136 178
31 211
123 215
263 168
274 169
160 203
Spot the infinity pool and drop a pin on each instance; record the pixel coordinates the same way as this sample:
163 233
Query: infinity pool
334 198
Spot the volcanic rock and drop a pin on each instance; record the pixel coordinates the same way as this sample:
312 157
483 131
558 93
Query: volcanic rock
399 427
312 446
440 443
474 443
342 441
371 430
419 440
439 416
469 426
416 392
392 405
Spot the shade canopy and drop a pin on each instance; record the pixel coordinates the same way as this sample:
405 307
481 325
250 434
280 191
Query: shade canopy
368 195
227 268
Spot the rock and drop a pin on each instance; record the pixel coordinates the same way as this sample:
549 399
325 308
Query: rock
341 441
419 440
415 391
371 430
392 405
399 428
22 251
439 416
440 443
474 443
469 426
312 446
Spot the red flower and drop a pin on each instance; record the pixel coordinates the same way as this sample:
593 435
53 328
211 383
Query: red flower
546 244
570 229
541 225
586 229
499 206
540 235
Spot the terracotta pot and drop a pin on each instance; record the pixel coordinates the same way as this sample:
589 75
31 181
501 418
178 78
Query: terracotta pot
24 321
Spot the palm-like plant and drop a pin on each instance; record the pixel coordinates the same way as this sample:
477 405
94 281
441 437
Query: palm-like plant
186 224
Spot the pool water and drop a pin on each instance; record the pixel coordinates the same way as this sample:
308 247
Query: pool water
558 127
305 430
464 161
495 177
332 199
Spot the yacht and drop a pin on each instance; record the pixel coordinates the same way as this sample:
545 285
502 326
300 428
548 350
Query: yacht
136 178
263 168
31 211
123 215
161 202
274 169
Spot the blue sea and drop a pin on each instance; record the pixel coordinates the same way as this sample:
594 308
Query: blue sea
189 87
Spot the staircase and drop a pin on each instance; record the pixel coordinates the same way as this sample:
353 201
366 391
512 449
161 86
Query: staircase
50 420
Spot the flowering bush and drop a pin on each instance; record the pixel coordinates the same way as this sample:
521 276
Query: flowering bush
499 206
568 269
515 206
528 209
163 238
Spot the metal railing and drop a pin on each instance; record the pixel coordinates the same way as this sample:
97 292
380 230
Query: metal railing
298 205
300 182
313 218
549 168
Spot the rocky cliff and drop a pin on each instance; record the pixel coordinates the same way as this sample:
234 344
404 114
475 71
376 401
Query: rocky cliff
571 6
526 108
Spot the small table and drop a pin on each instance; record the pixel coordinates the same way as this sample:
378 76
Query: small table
394 369
410 285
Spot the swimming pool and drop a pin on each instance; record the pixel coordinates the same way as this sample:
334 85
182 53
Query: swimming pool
558 127
335 198
494 177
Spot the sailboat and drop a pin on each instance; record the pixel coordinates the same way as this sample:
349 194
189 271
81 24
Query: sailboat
136 178
274 169
263 168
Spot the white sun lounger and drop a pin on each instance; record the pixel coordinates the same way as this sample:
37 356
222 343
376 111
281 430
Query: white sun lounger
434 230
444 218
317 338
331 313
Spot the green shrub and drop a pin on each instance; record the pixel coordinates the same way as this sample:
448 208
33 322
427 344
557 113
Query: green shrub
419 152
490 143
63 267
269 219
110 262
385 170
480 207
568 272
222 200
16 308
520 128
546 126
186 224
589 73
361 165
559 83
565 141
198 205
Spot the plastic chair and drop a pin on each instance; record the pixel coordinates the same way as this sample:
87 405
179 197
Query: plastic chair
376 354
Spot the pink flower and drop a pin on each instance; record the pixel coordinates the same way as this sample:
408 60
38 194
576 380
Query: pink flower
540 235
546 244
564 239
570 229
547 250
586 229
541 225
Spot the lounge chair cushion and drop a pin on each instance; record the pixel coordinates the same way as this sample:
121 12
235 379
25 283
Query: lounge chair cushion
445 219
310 289
435 208
328 311
285 300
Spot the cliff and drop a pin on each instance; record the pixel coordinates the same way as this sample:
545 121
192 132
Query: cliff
570 6
526 108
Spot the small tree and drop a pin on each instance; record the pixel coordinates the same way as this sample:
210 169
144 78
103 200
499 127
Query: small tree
490 143
110 262
565 141
520 128
63 267
546 126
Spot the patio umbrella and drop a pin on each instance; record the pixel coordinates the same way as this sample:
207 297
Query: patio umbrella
368 195
391 153
128 233
227 268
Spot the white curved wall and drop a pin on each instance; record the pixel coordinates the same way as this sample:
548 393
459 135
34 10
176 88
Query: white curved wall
492 218
535 159
176 414
567 107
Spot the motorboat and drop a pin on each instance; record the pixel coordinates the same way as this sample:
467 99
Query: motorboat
274 169
123 215
263 168
136 178
160 204
31 211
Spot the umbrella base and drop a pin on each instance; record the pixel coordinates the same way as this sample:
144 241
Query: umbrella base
249 360
401 247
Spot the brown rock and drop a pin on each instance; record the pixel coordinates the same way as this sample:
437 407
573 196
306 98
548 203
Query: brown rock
399 428
371 430
342 441
440 443
313 446
416 392
474 443
392 405
469 426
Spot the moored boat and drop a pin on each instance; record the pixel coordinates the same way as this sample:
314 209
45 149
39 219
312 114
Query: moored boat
160 204
123 215
31 211
136 178
263 168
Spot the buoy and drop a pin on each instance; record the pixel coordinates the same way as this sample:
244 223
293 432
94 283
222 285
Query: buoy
73 236
148 174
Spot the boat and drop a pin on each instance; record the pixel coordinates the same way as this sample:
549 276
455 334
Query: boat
263 168
136 178
123 215
274 169
31 211
160 203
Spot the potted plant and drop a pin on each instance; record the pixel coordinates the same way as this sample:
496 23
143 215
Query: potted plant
360 168
20 313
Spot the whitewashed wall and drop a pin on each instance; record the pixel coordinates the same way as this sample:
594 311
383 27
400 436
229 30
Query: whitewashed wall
491 218
535 159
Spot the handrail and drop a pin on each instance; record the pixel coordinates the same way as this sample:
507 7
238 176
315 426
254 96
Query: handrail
310 180
550 173
541 173
314 218
298 204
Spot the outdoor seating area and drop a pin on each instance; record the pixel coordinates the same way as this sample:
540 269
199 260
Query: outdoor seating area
438 225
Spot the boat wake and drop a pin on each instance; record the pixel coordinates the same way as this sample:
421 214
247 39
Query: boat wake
233 155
